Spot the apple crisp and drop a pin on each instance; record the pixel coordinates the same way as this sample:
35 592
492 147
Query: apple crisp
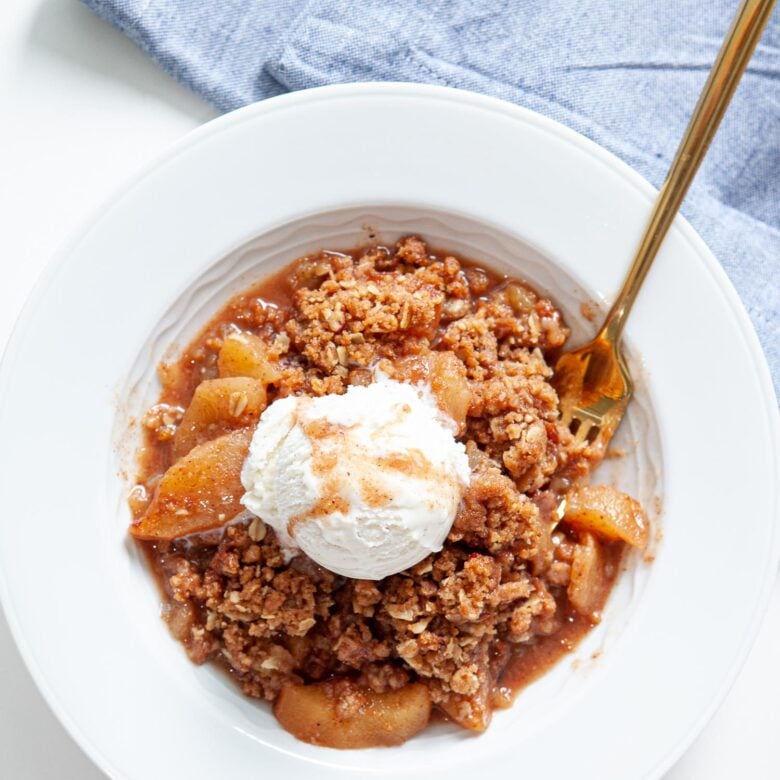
529 560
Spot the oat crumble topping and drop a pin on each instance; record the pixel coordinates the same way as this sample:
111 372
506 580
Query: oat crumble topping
460 619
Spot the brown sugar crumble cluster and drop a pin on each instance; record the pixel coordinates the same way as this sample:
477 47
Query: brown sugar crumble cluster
527 565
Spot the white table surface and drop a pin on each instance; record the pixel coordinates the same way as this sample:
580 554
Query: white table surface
81 111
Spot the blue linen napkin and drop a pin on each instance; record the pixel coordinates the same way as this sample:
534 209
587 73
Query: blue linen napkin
625 73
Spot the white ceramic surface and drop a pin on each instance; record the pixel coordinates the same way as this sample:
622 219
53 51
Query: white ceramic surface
114 672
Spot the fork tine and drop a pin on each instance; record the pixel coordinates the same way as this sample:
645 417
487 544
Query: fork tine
581 436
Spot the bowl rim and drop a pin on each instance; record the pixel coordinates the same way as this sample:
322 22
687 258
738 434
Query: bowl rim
59 261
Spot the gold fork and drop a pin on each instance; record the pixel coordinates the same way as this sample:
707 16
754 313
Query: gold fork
593 382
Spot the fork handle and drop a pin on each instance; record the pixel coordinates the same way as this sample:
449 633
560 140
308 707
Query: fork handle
732 59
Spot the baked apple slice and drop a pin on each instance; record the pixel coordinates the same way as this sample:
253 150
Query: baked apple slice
588 584
340 714
446 376
199 492
608 513
217 407
244 354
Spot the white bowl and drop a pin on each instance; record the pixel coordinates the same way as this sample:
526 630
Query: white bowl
251 191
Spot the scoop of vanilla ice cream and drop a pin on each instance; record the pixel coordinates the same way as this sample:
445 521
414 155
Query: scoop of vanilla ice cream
366 483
